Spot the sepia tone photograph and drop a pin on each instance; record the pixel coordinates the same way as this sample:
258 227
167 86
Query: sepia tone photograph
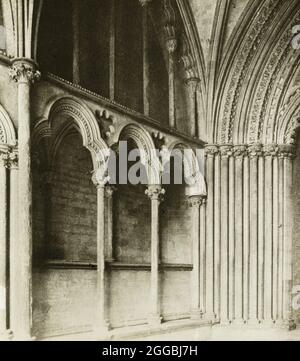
149 171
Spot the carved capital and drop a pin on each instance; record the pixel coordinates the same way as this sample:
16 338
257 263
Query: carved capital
196 201
155 192
24 71
240 151
109 191
13 159
211 150
286 151
171 44
270 150
255 150
4 157
192 84
100 178
226 151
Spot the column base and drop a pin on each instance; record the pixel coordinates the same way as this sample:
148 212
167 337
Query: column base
239 322
102 331
155 319
196 314
6 336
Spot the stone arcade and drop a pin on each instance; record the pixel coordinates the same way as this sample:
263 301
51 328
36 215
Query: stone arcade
80 256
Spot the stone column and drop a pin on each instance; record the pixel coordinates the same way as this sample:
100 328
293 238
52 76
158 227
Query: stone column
225 152
3 239
217 232
101 326
195 202
144 4
171 47
192 85
254 154
24 73
109 193
239 154
288 153
280 236
246 237
13 238
210 151
155 193
270 151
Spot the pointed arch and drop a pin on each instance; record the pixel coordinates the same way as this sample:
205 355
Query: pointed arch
146 146
85 121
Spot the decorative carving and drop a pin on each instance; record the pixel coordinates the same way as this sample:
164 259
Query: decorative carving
170 31
269 78
270 150
109 191
106 123
226 151
159 140
23 71
189 63
255 150
286 151
4 157
100 177
196 201
243 61
13 159
240 151
211 150
155 192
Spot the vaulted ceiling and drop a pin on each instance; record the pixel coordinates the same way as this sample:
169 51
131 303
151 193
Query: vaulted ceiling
250 69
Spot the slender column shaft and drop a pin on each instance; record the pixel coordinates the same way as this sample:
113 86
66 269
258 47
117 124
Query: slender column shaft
102 325
268 279
23 72
275 239
112 52
225 153
192 85
246 238
255 151
109 245
288 229
76 41
203 304
209 272
145 61
261 239
195 204
239 153
171 46
231 241
155 193
13 244
281 238
217 235
3 243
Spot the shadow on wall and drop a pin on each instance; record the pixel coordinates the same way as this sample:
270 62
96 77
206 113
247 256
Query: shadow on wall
2 38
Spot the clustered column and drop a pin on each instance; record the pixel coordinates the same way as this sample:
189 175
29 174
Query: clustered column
249 222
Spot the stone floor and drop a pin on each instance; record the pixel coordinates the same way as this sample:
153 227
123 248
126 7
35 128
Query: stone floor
192 332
